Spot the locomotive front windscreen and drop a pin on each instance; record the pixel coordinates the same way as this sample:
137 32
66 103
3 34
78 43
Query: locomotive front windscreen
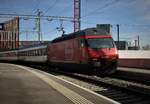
100 43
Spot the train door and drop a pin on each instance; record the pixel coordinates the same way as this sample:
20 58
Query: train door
83 51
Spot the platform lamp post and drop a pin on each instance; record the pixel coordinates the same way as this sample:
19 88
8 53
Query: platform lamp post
138 38
118 37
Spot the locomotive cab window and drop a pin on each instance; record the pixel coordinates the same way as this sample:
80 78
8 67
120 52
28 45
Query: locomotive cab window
100 43
82 43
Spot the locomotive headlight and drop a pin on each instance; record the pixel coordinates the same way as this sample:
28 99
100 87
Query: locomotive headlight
94 59
97 64
106 56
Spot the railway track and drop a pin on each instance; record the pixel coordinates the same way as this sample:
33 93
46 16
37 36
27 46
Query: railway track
119 90
123 91
137 77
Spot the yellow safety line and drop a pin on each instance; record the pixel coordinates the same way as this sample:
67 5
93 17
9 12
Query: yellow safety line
73 96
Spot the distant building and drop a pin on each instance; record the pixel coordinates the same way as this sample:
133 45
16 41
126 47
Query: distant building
133 48
122 45
9 34
146 47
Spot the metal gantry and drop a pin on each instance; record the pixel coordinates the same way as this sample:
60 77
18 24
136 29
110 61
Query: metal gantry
77 15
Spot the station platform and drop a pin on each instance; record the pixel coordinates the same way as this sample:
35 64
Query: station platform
134 70
137 74
24 85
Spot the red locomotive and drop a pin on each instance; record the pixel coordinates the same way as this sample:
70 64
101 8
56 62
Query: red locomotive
90 49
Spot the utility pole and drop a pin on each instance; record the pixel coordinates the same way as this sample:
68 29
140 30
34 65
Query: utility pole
135 42
118 45
39 24
138 42
118 33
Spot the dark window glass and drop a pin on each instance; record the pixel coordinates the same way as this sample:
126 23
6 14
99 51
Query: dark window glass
100 43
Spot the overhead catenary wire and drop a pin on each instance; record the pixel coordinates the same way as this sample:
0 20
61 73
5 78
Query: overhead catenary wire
100 8
35 16
51 6
36 4
65 9
121 24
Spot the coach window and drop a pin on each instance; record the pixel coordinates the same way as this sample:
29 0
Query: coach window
38 52
25 53
29 53
34 52
41 53
44 51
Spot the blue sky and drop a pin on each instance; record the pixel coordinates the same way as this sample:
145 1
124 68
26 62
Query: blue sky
132 15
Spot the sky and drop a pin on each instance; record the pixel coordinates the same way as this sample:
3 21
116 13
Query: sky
133 16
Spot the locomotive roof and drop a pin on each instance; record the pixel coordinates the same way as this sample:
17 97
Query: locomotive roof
88 31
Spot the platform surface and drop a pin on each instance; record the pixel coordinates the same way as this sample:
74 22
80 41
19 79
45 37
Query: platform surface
136 70
24 85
